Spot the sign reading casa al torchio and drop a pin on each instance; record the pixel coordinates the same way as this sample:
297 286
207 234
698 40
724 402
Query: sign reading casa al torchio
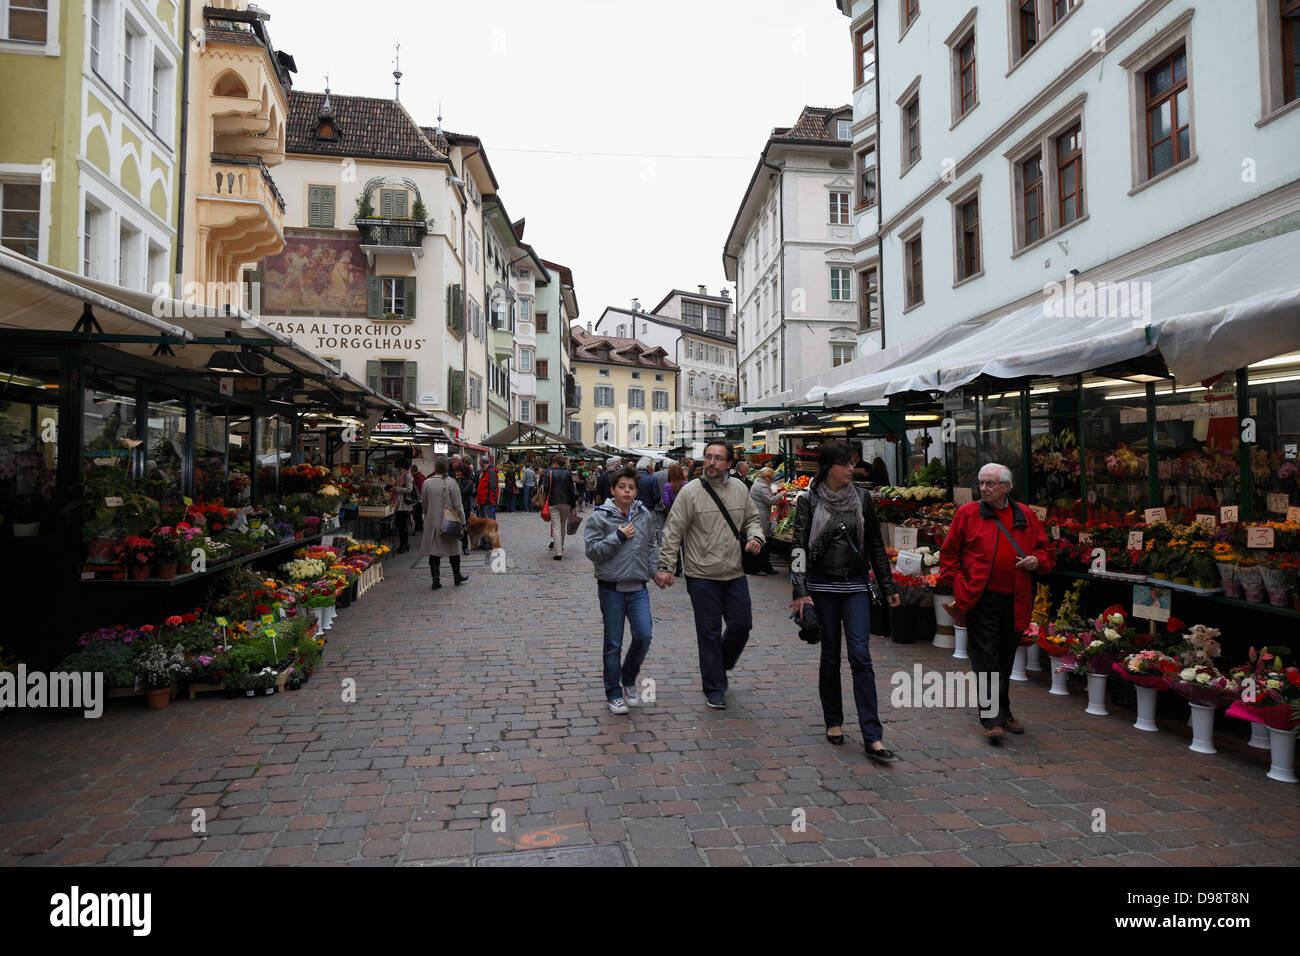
353 335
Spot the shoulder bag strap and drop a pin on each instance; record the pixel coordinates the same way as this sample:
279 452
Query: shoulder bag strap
721 507
1006 534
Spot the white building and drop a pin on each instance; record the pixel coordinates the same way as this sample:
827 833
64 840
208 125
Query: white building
790 252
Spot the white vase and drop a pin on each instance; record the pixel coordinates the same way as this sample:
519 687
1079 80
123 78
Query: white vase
1033 662
1259 735
1018 664
1096 695
1146 719
1202 729
959 643
1282 745
1060 676
944 636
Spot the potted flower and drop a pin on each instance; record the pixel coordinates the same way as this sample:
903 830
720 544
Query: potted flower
137 553
1150 671
159 669
1251 579
1270 696
1225 560
1277 570
166 552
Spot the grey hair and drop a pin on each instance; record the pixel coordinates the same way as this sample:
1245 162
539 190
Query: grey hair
1004 472
611 463
643 464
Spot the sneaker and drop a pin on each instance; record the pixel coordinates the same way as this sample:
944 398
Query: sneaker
631 696
716 701
618 706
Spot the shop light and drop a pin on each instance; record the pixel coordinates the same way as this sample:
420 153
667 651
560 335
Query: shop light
838 428
852 418
1160 391
1274 381
1292 358
924 418
1044 391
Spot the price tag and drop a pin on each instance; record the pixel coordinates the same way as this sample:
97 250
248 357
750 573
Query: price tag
327 541
188 501
255 524
1259 537
268 619
909 562
1208 522
222 622
1277 504
1040 511
1135 541
1156 515
1056 532
962 496
113 502
1092 496
1228 514
269 632
1293 514
904 539
281 610
1085 538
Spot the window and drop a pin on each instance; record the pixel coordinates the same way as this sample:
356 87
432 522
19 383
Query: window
660 400
1289 11
542 320
575 429
636 376
525 410
604 431
393 380
690 348
636 398
841 285
966 97
913 290
715 316
524 273
1069 173
1168 113
865 54
525 310
543 413
320 207
870 315
393 204
1048 173
912 132
843 129
96 38
1060 8
476 393
91 240
603 373
158 270
841 354
636 433
130 56
1031 179
392 296
839 208
693 314
910 9
157 97
604 397
967 214
1026 26
867 177
543 368
20 218
27 20
252 289
128 256
661 434
659 376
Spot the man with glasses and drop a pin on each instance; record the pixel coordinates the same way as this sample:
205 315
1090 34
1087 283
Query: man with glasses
992 548
714 520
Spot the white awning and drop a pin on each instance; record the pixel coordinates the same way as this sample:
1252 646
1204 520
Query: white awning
1206 316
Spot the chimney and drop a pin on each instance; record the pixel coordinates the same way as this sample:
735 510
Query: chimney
636 305
726 293
704 290
589 331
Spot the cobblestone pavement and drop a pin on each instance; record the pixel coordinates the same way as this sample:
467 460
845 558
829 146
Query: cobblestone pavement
488 697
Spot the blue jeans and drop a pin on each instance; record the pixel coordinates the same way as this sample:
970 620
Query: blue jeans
614 607
852 614
529 491
716 602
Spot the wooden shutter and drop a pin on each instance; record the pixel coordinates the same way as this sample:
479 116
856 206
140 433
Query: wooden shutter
400 198
410 297
385 204
372 374
458 308
327 207
409 394
374 296
313 205
456 391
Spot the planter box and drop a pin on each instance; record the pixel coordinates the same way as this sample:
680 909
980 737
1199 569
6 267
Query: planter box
374 511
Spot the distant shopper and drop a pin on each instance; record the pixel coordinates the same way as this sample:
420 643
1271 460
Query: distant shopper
589 486
558 484
530 485
511 487
465 482
403 489
618 544
764 498
441 493
488 488
602 483
417 511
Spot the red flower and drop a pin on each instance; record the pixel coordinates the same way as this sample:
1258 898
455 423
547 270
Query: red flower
1175 626
263 609
188 618
1167 667
1114 609
1293 677
1142 640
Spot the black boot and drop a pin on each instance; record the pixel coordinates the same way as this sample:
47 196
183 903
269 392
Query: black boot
435 570
456 576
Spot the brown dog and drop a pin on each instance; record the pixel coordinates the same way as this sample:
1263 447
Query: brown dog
483 528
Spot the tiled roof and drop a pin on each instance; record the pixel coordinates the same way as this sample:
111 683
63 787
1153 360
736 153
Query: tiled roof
811 127
369 128
622 351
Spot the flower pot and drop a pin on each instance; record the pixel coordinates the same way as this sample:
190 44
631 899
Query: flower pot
166 571
1252 583
1096 695
1018 664
1146 701
100 550
943 623
141 572
158 697
925 623
1060 678
1202 729
1182 579
186 568
1160 575
1033 660
902 623
959 643
1259 735
1282 748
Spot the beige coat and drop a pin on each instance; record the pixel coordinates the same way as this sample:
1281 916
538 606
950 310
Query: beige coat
432 499
696 525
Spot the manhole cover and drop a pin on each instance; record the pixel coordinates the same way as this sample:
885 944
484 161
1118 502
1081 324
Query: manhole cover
610 855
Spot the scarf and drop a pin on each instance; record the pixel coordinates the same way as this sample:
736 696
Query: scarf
833 511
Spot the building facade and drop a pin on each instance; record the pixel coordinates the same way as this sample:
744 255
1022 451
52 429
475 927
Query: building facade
557 308
625 385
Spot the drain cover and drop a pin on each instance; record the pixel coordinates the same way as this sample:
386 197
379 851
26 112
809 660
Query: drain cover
610 855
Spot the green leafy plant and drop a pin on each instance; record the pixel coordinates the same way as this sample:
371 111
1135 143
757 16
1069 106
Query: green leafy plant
114 660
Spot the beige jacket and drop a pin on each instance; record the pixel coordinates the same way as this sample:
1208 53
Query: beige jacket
696 525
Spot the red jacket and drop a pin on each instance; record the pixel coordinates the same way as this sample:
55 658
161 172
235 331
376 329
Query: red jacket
488 492
966 559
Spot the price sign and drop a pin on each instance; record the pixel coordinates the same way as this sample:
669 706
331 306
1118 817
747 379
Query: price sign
1278 504
904 539
255 524
1152 604
1156 515
1056 532
1293 514
1092 496
909 562
1228 514
1085 538
1259 537
222 622
188 501
1039 511
327 541
962 496
268 620
1208 522
1135 540
113 502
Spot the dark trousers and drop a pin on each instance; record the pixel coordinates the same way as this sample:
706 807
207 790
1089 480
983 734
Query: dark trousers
852 614
435 565
716 603
992 641
403 532
417 512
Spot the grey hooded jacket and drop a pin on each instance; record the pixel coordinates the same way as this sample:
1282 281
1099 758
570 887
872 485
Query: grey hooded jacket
627 561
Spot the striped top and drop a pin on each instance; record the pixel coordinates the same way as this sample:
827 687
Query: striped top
836 585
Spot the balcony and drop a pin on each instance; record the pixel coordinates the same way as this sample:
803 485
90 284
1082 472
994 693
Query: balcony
388 237
572 399
240 213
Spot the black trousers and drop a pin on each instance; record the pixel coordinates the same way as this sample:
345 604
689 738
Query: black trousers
435 565
403 530
992 642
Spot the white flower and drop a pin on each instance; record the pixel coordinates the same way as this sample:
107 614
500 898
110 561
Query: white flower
1110 634
1188 674
1096 644
1203 677
1115 620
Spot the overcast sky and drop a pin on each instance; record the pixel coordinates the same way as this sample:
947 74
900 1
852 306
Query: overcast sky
624 133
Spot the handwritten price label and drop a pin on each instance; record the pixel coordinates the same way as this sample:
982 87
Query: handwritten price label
1278 504
909 562
1293 514
268 619
904 539
1135 540
222 622
1039 511
1208 522
113 502
1085 538
1259 538
1156 515
1228 514
1056 532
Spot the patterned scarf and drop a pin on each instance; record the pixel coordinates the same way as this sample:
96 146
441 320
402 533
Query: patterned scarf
833 510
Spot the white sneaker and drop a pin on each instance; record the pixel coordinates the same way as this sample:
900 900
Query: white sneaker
630 696
618 706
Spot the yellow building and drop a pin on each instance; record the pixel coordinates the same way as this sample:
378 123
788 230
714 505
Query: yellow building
626 392
238 103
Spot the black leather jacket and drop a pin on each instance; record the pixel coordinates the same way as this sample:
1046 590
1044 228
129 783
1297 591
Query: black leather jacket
842 558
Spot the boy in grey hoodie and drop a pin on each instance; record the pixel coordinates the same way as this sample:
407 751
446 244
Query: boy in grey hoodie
619 544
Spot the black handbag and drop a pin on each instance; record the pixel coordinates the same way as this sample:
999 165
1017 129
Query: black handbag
810 625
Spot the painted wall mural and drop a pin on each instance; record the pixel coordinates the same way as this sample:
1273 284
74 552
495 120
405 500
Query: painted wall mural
315 276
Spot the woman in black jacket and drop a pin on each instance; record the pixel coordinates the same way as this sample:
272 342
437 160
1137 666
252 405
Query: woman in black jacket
557 482
836 534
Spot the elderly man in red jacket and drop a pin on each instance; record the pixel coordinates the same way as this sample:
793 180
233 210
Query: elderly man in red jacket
992 548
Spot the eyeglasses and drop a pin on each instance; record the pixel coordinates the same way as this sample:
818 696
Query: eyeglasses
722 458
992 484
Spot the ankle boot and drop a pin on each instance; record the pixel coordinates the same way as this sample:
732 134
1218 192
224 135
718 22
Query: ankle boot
435 571
456 576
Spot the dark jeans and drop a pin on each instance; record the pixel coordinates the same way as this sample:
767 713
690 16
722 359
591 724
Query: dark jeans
529 491
510 500
716 602
992 642
614 607
417 513
403 533
435 565
852 614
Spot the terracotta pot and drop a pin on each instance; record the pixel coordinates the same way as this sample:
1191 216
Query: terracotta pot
101 549
158 697
141 572
187 568
166 571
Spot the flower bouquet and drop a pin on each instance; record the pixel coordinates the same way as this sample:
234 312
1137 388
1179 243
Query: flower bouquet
1111 637
1147 669
303 569
1204 685
1269 690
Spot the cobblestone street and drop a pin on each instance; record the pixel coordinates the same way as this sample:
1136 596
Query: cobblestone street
504 711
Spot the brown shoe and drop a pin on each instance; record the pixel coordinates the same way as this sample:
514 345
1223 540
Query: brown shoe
994 733
1014 726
